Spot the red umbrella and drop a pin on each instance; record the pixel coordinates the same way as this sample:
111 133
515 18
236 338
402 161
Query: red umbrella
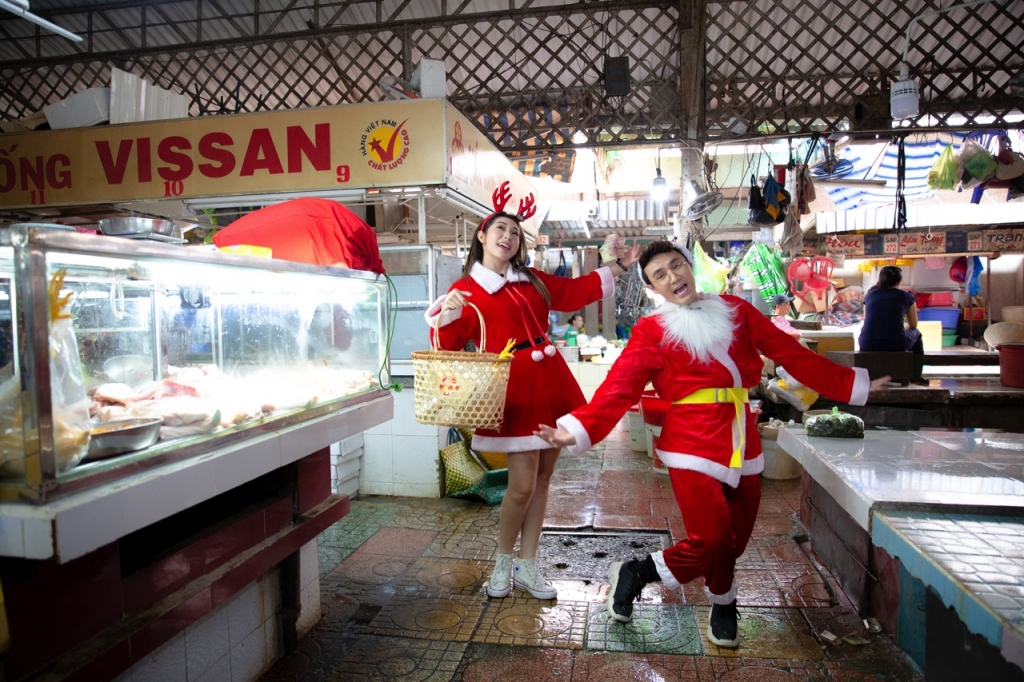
316 231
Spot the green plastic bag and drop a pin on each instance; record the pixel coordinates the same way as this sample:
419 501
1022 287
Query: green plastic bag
709 275
764 266
943 172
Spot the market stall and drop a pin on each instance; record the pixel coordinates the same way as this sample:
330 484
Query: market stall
248 369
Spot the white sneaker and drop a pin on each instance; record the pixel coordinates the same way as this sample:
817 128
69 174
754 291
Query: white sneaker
500 584
526 576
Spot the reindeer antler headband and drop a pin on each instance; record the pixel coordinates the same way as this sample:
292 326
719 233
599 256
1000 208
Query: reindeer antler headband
500 197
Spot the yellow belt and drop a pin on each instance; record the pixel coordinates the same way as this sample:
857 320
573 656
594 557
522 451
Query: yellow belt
736 396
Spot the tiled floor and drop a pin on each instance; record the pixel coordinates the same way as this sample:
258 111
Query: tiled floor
402 588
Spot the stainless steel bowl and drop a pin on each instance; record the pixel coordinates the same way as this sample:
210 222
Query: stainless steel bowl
129 369
118 227
117 437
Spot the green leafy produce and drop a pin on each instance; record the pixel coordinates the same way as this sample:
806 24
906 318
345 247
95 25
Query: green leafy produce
835 425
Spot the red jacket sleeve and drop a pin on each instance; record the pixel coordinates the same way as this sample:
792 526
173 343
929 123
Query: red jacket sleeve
640 360
572 294
842 384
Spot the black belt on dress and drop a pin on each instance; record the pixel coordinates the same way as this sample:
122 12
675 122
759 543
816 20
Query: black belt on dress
526 344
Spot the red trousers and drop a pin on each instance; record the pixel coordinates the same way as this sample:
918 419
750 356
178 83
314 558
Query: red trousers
719 521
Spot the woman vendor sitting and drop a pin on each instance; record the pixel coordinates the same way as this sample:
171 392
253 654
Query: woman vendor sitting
885 307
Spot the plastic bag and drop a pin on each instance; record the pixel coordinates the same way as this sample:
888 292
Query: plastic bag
792 391
835 425
562 270
711 278
764 266
69 401
974 164
613 247
943 172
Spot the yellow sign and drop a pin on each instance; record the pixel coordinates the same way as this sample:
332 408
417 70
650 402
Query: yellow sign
388 144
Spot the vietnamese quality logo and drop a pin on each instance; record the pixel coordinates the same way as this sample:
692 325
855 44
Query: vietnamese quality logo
385 144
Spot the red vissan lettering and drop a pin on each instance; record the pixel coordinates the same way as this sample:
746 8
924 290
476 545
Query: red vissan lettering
208 149
144 159
319 154
181 164
114 169
261 154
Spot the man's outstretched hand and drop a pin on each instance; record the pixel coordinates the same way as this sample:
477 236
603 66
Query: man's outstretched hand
876 384
557 437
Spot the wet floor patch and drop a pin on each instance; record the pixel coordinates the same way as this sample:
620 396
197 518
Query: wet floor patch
586 556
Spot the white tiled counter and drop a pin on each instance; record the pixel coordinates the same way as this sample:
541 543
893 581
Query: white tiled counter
890 469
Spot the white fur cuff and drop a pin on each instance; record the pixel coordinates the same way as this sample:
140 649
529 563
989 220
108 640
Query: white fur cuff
666 575
573 426
447 317
723 599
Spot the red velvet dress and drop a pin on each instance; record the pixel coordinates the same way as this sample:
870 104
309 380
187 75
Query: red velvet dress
538 391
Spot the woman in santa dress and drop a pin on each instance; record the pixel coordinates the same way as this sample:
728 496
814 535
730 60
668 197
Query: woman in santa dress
515 301
702 353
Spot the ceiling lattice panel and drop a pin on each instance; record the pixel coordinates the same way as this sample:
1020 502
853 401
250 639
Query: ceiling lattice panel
530 72
774 68
531 77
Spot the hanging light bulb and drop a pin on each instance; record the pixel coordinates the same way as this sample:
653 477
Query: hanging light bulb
659 189
904 97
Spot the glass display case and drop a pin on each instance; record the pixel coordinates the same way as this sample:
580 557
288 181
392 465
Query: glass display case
420 273
102 338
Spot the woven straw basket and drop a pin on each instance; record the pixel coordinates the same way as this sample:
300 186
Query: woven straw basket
458 388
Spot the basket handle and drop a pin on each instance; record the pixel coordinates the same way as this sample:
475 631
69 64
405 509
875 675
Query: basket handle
483 329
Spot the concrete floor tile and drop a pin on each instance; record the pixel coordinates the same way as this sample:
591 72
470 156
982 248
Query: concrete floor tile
531 622
447 618
660 628
387 659
597 666
434 575
766 633
494 663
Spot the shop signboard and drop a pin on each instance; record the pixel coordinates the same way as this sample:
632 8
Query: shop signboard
1003 240
845 244
386 144
914 243
477 169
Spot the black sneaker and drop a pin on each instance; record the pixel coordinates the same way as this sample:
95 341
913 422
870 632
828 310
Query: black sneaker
626 586
722 628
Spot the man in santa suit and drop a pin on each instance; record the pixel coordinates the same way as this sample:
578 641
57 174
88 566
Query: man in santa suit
702 353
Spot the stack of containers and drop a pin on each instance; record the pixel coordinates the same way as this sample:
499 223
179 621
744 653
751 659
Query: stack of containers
948 317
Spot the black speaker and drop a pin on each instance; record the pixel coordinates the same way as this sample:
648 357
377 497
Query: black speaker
616 76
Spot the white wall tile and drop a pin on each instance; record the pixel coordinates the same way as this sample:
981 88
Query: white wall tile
405 423
12 542
376 487
166 664
351 444
245 613
249 658
416 459
274 640
220 671
271 592
414 490
378 459
309 564
206 642
309 612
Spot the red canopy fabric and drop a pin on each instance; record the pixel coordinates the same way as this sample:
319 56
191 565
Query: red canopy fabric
308 230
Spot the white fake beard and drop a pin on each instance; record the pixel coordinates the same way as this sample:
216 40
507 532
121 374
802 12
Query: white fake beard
699 326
